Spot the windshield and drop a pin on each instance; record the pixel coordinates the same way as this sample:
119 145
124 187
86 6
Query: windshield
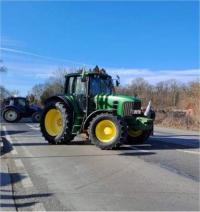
21 102
100 85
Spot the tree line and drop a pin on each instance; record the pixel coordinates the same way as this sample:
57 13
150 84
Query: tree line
165 94
176 104
169 94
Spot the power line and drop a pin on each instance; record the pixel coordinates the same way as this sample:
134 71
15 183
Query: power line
43 57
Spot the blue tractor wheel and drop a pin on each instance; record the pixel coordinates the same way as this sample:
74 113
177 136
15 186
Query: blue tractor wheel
11 115
36 117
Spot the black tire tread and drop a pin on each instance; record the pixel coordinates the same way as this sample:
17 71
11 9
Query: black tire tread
16 120
33 117
66 136
140 139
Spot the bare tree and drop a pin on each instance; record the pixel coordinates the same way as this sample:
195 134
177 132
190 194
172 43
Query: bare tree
3 68
4 93
54 85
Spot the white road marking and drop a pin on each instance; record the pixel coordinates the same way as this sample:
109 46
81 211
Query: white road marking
27 152
8 138
19 164
26 180
36 127
14 152
188 151
38 207
134 149
140 150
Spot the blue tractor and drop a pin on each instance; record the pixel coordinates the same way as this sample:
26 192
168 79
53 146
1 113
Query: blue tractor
15 108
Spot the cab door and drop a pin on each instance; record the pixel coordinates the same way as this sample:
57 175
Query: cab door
21 105
80 93
77 89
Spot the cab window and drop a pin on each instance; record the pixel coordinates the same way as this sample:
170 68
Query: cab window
70 89
21 102
80 88
76 86
100 85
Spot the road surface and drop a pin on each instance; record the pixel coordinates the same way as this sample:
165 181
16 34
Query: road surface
162 174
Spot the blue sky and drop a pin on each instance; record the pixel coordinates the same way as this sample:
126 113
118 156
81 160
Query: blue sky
157 40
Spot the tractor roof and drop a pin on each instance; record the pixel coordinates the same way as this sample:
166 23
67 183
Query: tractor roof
91 72
88 74
15 97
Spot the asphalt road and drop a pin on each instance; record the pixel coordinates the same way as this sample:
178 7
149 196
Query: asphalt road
162 174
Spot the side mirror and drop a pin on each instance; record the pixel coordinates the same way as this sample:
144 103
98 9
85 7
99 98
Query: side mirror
117 81
83 76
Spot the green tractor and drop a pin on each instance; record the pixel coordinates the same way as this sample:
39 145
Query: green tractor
90 106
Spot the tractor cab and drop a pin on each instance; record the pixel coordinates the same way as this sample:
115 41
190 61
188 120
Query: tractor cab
17 101
84 89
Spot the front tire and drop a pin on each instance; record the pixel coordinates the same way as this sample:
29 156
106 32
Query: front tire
138 136
107 131
36 117
11 115
55 123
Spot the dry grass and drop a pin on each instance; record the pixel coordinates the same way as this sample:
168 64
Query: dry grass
181 121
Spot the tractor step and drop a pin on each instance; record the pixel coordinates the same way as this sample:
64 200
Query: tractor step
75 128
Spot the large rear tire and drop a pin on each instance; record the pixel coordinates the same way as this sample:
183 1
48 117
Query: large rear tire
11 115
55 123
107 131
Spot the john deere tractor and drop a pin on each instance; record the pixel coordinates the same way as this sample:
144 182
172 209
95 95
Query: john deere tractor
89 105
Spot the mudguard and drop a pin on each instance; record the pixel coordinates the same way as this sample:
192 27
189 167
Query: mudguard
60 99
92 115
12 107
35 108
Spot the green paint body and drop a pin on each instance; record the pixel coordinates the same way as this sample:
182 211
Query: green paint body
108 102
111 102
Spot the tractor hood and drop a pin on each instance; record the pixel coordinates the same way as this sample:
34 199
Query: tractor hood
110 102
115 97
35 108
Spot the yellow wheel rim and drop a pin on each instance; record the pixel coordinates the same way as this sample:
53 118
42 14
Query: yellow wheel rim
105 131
134 133
53 122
